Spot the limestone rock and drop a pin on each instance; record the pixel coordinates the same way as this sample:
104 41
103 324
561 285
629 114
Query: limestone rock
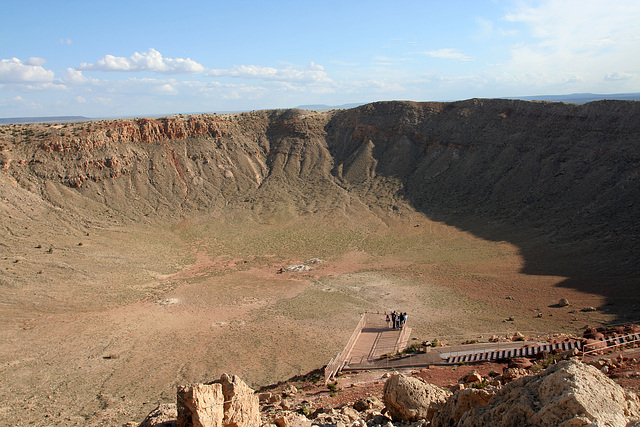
291 419
520 362
458 404
511 374
411 398
472 377
241 405
569 392
369 402
290 390
163 416
563 302
350 413
332 419
200 405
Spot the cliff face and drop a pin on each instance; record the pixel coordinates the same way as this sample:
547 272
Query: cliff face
554 178
559 180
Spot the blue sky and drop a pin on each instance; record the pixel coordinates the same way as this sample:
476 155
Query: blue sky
134 58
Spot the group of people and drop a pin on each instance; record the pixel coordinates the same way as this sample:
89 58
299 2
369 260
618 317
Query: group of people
398 320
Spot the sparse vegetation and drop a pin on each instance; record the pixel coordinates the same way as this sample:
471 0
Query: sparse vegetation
548 360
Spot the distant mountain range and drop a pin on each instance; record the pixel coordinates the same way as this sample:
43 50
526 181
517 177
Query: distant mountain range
573 98
581 98
53 119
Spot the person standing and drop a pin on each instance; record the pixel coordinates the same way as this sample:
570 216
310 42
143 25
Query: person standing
394 318
388 322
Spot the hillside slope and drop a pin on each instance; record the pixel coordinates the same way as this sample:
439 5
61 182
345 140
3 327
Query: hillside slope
558 180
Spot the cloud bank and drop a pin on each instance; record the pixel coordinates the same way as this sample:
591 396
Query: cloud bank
30 71
311 73
151 60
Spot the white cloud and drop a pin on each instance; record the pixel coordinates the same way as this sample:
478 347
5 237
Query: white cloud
448 53
166 89
73 76
571 45
30 71
65 41
35 61
152 60
312 73
617 76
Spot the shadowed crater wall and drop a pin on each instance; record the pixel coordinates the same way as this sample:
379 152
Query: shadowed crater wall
560 181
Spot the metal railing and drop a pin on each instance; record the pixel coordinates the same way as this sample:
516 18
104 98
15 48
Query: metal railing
596 348
337 363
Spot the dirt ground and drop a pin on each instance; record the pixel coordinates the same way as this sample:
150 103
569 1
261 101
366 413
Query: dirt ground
101 329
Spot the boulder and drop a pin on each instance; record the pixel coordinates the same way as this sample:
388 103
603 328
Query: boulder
520 362
369 402
289 390
411 398
200 405
518 336
563 302
569 393
458 404
472 377
291 419
350 413
241 405
331 420
163 416
511 374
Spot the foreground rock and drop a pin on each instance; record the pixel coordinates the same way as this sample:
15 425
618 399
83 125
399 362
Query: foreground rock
241 404
200 405
458 404
163 416
412 399
227 402
569 394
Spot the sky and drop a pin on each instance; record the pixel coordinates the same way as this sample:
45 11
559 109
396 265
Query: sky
136 58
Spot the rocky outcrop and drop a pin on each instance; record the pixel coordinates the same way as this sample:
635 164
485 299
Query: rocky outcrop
227 402
569 393
200 405
458 404
163 416
241 404
411 398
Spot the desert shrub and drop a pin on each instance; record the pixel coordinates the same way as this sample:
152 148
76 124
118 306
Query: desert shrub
545 362
332 386
480 384
414 348
305 410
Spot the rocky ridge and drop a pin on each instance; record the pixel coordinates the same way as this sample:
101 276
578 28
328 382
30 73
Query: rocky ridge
568 393
551 175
